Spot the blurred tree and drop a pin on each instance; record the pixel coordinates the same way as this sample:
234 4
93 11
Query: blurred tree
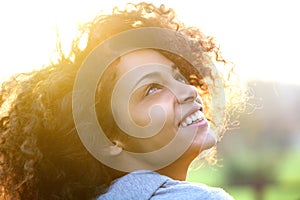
254 153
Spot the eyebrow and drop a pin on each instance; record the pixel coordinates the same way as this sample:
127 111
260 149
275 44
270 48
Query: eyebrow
175 68
154 74
150 75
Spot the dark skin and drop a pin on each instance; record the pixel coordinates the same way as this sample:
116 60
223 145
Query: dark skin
41 154
185 100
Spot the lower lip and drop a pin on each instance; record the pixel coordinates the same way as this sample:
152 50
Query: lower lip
202 123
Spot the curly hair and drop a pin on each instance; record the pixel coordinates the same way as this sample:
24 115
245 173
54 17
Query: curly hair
41 155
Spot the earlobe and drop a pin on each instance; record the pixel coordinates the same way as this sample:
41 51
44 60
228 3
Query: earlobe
115 149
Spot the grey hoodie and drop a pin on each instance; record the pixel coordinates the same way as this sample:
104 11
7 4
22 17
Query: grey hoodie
142 185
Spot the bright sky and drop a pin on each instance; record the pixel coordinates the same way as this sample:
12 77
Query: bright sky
260 36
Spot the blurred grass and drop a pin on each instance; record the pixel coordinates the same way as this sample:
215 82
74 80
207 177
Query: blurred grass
285 174
282 193
289 173
241 193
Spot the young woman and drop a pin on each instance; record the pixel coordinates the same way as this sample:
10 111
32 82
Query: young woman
122 118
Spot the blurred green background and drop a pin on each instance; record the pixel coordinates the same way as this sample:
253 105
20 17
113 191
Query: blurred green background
258 161
261 159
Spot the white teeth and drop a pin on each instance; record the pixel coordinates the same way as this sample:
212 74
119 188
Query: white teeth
189 120
198 115
194 117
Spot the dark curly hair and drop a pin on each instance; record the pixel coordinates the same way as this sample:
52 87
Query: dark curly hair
41 155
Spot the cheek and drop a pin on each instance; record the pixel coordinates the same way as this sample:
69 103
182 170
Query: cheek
143 113
139 114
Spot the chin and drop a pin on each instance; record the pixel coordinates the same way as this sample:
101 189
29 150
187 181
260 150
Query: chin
204 141
210 140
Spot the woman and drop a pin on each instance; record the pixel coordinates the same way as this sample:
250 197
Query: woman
146 101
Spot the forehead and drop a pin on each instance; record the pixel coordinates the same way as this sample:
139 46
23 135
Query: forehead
141 57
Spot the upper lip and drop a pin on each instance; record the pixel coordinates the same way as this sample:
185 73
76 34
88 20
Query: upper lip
194 109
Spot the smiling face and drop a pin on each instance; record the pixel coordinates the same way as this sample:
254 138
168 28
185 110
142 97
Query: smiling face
153 101
145 104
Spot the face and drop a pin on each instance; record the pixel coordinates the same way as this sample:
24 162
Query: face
152 101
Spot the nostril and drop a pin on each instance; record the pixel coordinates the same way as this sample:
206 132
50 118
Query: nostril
201 108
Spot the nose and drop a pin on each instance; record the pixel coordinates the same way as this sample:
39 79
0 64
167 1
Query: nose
185 93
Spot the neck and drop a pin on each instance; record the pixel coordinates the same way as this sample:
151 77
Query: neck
177 170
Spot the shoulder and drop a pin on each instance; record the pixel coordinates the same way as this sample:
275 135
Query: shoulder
151 185
185 190
136 185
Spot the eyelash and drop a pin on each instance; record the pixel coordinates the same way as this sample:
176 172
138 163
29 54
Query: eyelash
152 86
158 86
181 79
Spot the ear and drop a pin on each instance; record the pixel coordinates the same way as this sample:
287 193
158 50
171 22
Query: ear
115 149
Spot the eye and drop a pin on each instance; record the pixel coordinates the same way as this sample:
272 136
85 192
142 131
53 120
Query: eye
153 88
181 79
